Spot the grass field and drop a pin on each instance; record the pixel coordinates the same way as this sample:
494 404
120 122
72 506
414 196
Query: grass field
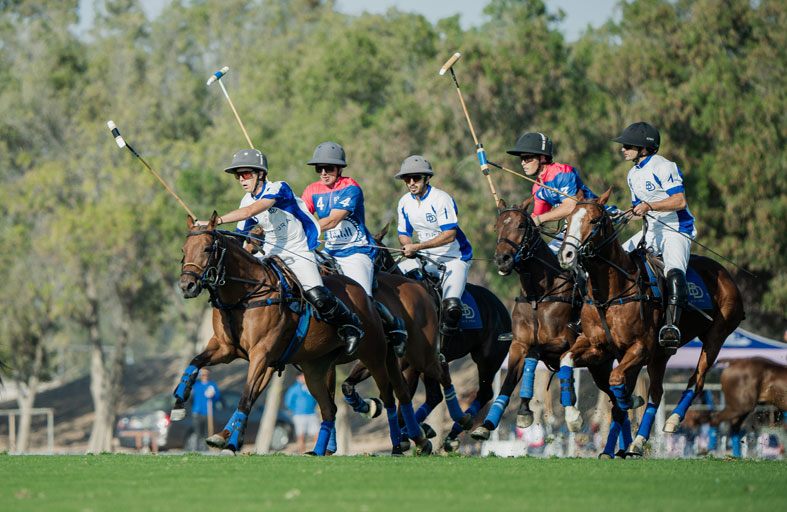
363 483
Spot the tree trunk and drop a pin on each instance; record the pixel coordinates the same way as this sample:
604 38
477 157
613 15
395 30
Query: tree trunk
26 398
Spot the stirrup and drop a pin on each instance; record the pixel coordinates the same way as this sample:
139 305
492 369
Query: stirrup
506 337
669 338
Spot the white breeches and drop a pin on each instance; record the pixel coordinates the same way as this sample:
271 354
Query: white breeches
304 266
454 278
673 247
360 268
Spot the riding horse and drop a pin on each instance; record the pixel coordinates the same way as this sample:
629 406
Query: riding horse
621 317
541 315
746 383
479 339
260 315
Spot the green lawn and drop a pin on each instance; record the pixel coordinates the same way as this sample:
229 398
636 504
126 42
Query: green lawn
194 482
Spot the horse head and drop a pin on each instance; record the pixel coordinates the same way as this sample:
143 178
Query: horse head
384 260
588 224
516 234
202 262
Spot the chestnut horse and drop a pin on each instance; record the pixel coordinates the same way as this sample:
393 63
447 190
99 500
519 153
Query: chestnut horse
746 383
260 315
621 318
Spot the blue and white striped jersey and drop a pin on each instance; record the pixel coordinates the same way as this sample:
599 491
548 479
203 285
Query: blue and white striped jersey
434 213
653 179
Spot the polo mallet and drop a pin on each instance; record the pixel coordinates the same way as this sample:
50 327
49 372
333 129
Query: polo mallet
216 77
448 66
528 178
121 143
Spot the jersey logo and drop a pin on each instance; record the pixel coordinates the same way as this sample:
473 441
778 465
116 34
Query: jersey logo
430 217
650 187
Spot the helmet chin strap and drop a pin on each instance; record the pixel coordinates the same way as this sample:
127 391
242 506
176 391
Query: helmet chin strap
640 156
257 182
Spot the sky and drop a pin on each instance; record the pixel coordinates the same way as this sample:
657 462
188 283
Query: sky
579 13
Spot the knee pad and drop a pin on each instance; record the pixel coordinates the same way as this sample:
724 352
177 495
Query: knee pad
677 288
451 311
320 297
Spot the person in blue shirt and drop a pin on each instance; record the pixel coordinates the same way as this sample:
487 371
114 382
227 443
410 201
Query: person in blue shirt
206 394
301 404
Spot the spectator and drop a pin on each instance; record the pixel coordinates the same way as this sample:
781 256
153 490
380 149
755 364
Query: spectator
301 403
206 394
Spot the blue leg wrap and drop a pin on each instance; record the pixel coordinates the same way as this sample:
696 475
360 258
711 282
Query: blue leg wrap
497 409
685 402
237 429
454 409
423 412
323 437
357 403
231 421
566 376
332 441
713 438
472 411
186 381
528 378
393 426
625 434
647 420
735 440
622 396
410 423
612 437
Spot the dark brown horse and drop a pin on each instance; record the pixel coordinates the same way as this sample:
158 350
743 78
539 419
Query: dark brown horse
259 315
542 312
621 318
746 383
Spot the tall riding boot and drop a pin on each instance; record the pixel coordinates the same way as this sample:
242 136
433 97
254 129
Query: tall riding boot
394 329
450 316
677 289
335 312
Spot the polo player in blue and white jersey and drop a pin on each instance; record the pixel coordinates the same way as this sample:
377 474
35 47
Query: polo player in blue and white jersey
657 190
291 233
432 214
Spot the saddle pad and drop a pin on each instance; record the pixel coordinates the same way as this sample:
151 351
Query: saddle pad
698 292
471 318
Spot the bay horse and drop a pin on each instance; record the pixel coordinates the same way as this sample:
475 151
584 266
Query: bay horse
541 315
746 383
482 344
621 317
260 315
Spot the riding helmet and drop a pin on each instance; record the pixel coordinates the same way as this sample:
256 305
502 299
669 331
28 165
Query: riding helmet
533 143
248 159
328 153
641 135
415 164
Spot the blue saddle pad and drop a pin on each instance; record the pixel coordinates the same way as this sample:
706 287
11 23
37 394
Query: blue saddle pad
471 317
698 292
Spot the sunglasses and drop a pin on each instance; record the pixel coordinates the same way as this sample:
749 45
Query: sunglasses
528 158
414 178
325 168
629 147
244 174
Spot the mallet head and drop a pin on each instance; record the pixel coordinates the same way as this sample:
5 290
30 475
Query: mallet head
449 63
218 74
116 133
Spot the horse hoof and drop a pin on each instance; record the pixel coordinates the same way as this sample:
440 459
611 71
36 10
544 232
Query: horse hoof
637 401
177 414
397 451
480 434
620 454
425 449
525 419
404 445
573 419
450 444
671 426
216 441
428 430
227 451
466 422
375 408
604 456
633 455
311 453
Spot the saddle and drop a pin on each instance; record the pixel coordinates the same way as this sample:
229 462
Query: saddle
698 297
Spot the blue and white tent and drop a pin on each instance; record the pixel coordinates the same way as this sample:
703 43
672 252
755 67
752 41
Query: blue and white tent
739 344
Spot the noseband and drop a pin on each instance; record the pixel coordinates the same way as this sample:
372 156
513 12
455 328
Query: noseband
212 275
529 242
586 248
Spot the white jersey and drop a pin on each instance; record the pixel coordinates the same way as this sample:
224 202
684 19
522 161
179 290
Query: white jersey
288 225
653 179
435 213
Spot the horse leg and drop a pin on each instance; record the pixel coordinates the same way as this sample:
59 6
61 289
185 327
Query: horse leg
735 435
368 408
656 369
318 379
451 401
582 353
624 376
214 353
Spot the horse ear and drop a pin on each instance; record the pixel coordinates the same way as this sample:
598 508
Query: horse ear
580 195
526 203
501 205
213 219
379 236
605 196
189 222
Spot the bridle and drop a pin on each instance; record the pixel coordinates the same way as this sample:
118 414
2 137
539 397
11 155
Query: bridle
211 276
588 248
530 241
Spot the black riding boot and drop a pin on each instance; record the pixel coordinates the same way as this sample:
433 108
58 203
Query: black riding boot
394 329
450 316
677 289
335 312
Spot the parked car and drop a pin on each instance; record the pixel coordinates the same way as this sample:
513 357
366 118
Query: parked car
150 421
